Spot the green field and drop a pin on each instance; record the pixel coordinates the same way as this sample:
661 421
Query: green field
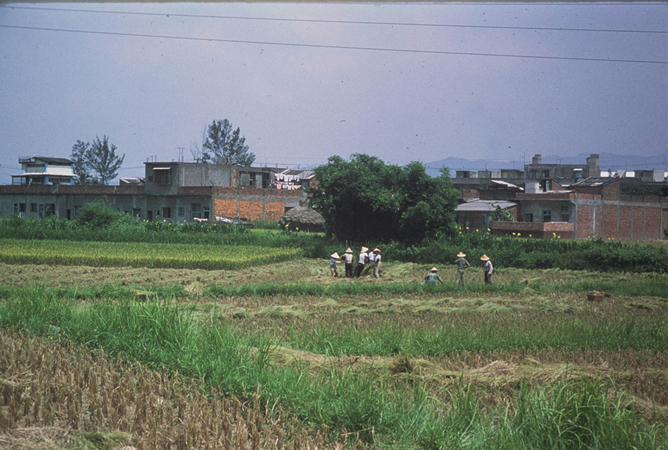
269 351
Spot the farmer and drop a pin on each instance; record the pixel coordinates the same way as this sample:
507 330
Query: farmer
487 266
348 260
334 260
432 277
376 262
461 265
362 260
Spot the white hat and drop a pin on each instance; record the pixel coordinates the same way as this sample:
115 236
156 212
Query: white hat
461 255
335 255
484 258
434 269
364 249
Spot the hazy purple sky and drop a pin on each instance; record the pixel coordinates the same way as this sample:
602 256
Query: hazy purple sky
404 82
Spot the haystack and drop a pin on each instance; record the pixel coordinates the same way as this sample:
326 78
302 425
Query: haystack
304 219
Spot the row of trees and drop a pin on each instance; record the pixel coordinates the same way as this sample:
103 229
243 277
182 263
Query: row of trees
98 163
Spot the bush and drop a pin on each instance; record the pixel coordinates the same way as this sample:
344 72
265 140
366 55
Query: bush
99 215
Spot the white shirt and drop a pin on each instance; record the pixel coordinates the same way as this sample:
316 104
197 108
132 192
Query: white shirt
362 258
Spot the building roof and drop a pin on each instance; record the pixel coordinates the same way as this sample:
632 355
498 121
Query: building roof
595 182
303 174
46 174
484 205
506 184
47 159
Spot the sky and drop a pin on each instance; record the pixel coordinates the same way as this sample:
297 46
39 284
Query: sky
305 81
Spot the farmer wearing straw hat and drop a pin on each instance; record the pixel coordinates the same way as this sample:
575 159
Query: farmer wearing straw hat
334 260
487 266
461 265
362 260
376 262
432 277
348 259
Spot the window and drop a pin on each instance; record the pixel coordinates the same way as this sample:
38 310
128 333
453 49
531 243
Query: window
49 209
565 217
547 215
77 209
195 210
19 208
33 207
166 213
182 211
528 217
163 176
136 213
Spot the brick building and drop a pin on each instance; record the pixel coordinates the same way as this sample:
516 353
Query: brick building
591 208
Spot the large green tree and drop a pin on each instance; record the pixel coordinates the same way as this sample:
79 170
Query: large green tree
222 141
95 163
365 199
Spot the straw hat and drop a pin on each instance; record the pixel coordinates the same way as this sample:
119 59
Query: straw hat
434 269
335 255
364 249
461 255
376 250
348 250
484 258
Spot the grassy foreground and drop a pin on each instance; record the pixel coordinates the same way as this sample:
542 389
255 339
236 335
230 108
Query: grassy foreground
526 363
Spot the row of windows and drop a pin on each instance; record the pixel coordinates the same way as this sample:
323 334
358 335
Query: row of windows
43 209
197 210
547 215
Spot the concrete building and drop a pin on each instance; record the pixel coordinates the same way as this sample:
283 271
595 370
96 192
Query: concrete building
171 191
41 170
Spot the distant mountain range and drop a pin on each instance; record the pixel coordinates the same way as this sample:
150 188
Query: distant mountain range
607 161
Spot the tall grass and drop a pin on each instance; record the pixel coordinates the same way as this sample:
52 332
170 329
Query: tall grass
380 409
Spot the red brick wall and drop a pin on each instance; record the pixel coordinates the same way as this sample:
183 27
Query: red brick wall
588 221
625 222
249 209
225 207
638 225
274 210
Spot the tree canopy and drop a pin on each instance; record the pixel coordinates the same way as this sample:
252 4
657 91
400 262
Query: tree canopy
223 142
95 163
364 199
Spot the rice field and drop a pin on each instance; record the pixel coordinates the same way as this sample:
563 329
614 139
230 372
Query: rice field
278 354
115 254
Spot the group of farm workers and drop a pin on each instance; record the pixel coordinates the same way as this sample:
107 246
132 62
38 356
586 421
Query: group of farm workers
462 264
372 261
365 261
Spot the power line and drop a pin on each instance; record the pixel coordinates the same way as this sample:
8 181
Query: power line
338 47
346 22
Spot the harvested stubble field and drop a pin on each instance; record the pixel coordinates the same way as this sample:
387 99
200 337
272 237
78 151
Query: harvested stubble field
531 335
